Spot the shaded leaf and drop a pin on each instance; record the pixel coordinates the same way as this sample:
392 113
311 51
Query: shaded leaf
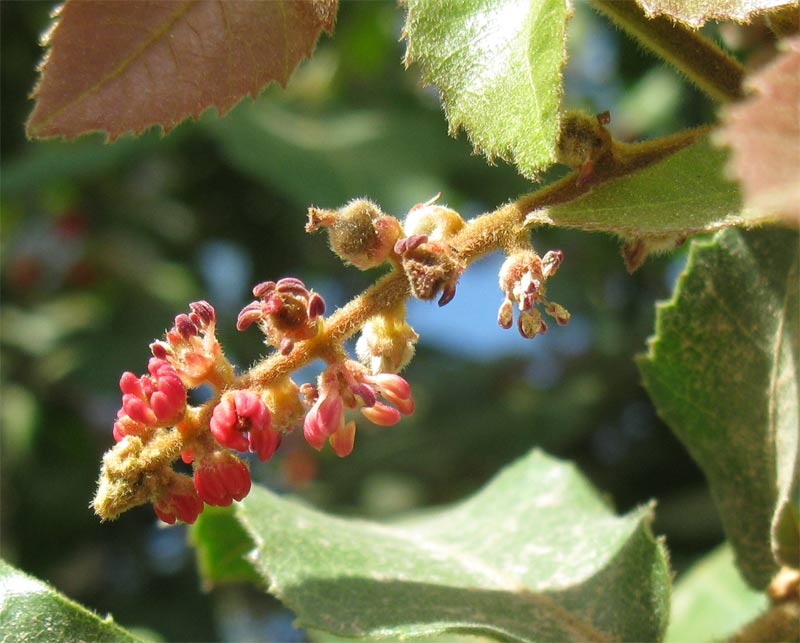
220 544
710 601
32 611
696 13
120 66
655 208
535 555
498 67
764 134
722 370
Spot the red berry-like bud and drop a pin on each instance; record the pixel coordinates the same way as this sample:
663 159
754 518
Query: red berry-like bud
220 478
179 502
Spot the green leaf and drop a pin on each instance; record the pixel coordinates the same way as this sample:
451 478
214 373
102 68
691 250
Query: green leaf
722 370
32 611
498 66
657 207
220 545
535 555
686 193
711 600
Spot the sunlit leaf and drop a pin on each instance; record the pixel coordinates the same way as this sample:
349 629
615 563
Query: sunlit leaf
722 369
33 612
696 13
536 555
498 67
655 208
120 66
711 600
764 134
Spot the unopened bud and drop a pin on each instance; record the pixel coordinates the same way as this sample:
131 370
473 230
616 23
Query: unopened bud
360 233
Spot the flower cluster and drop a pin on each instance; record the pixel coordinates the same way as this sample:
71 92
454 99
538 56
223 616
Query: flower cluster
149 401
346 384
192 349
156 425
285 311
239 419
522 279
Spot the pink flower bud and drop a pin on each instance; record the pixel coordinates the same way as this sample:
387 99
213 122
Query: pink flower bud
343 440
381 414
220 478
324 419
180 502
243 422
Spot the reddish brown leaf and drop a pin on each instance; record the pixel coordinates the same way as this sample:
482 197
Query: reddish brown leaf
119 66
764 133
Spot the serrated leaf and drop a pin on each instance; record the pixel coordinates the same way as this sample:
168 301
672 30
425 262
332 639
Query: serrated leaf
497 64
220 544
696 13
121 66
536 555
763 132
722 370
711 600
33 612
655 207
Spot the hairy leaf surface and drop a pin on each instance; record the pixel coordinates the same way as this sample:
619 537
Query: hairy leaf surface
535 555
764 134
33 612
696 13
120 66
722 369
497 64
684 194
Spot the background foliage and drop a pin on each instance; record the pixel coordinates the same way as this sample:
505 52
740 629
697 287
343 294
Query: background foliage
103 244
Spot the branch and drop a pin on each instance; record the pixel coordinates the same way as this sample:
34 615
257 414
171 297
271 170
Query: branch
714 71
132 470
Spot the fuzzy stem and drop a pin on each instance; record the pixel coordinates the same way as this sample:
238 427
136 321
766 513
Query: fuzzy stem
780 622
703 62
784 21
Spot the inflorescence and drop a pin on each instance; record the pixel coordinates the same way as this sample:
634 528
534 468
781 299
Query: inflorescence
156 425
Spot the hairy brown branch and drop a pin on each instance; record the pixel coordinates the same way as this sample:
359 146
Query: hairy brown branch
714 71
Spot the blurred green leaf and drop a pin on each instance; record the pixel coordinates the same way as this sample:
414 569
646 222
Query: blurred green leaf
394 157
722 370
711 600
535 555
221 544
498 66
32 611
684 194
